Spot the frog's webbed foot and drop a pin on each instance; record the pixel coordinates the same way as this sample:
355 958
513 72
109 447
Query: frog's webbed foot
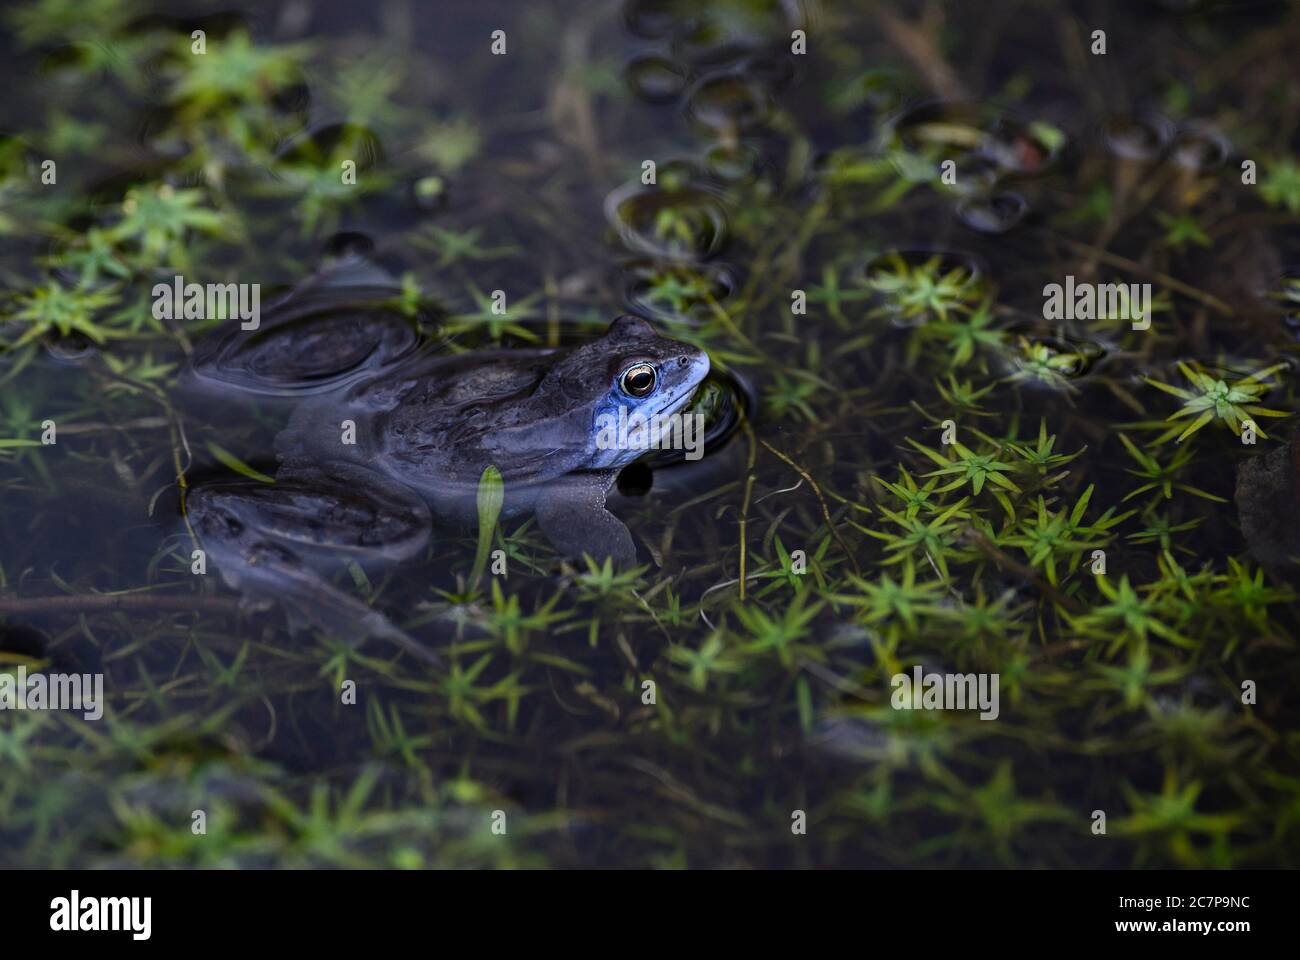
571 513
274 542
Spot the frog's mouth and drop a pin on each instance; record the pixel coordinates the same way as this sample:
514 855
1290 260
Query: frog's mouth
690 376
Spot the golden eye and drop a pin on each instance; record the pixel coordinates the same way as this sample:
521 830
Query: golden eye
639 380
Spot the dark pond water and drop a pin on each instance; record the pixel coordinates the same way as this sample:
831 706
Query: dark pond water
917 457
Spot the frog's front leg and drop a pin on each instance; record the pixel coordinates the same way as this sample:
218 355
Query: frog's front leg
277 541
571 513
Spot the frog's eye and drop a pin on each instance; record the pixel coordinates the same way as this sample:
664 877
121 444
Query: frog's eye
638 380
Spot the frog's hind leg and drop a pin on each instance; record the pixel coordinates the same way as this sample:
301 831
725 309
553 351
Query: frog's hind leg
571 512
276 543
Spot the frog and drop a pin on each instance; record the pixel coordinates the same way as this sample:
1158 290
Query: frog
373 460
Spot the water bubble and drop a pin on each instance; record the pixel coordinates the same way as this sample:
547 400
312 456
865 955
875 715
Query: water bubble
429 193
773 72
1050 358
653 19
993 214
656 79
1281 295
1141 137
920 139
732 32
1198 147
732 102
733 161
1020 148
673 220
985 143
349 243
72 350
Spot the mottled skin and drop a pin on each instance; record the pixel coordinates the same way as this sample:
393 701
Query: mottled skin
425 429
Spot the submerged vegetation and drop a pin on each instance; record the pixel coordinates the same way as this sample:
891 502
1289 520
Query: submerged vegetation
920 469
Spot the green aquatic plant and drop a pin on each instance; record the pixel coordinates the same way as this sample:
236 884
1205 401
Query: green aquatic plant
1182 229
1051 537
920 290
932 539
54 308
1212 398
46 21
789 394
1168 820
964 335
895 605
234 70
95 255
969 467
1161 477
1128 616
834 296
1047 365
1280 185
453 246
1041 457
158 220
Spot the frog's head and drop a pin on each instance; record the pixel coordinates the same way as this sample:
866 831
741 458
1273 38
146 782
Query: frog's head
629 375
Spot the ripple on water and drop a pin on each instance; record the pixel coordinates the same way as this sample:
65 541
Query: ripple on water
1043 356
728 102
724 400
679 218
680 292
652 19
1198 147
983 142
312 341
319 147
73 350
1140 137
728 33
656 79
993 214
1281 296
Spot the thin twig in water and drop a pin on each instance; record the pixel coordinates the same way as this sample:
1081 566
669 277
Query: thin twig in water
1028 574
100 602
826 513
749 492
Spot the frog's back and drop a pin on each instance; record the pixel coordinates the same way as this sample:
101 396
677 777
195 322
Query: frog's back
436 422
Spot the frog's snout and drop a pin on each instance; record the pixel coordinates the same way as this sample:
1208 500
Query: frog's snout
700 362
